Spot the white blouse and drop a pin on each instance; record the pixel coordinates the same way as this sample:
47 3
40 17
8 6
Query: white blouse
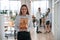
39 15
17 22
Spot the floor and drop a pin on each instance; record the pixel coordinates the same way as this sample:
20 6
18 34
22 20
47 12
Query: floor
39 36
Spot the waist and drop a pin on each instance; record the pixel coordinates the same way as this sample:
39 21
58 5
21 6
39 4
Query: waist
27 30
23 32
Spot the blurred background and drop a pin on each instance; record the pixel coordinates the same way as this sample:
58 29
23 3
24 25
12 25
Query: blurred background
9 9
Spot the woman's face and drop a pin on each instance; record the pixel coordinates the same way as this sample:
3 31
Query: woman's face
24 10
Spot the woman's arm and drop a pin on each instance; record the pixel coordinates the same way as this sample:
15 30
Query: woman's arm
31 23
47 13
16 23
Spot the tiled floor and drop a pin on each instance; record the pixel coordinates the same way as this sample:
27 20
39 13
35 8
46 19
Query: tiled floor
39 36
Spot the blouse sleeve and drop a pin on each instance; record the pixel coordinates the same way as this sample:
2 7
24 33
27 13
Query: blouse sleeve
31 23
16 23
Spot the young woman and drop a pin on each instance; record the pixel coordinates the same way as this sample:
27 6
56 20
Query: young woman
48 21
23 24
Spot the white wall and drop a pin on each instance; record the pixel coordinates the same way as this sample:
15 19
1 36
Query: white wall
57 20
58 16
52 10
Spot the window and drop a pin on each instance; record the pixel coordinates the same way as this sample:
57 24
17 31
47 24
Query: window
36 4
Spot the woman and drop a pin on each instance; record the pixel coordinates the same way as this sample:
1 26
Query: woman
23 24
48 21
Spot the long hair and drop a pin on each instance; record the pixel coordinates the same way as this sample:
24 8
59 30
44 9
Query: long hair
21 9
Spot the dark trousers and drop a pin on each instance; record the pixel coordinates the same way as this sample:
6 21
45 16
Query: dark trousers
40 22
23 35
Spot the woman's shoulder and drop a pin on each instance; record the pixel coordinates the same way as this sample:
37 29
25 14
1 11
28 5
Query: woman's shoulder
17 16
30 16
